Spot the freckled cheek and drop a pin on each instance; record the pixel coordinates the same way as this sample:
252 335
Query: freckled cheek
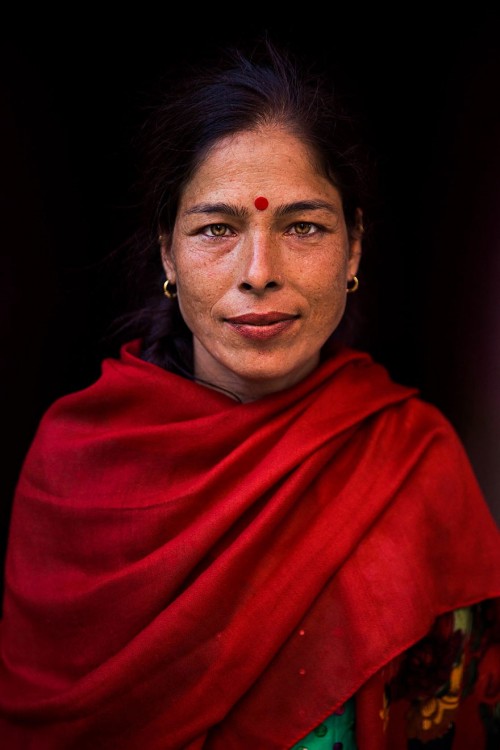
201 286
327 302
196 300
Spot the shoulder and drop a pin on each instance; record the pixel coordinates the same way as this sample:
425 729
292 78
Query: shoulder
81 427
125 388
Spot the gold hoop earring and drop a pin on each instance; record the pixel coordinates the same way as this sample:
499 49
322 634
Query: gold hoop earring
166 290
352 285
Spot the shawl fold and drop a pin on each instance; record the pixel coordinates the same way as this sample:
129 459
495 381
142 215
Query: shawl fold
185 571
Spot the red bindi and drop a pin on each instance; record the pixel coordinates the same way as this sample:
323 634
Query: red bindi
261 203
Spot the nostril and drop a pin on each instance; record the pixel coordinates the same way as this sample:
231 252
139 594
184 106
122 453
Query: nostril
268 285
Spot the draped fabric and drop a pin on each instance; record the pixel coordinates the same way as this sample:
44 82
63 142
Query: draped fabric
185 571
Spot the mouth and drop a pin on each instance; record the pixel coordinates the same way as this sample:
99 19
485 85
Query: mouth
261 319
261 325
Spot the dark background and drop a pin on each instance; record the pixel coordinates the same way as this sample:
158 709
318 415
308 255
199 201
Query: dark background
71 93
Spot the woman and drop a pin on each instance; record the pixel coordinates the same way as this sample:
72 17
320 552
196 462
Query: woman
244 534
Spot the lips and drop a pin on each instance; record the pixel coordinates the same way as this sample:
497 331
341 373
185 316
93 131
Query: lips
262 326
261 319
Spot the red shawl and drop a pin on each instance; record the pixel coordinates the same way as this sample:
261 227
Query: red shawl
185 571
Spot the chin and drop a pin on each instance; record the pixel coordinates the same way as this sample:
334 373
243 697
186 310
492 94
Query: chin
278 375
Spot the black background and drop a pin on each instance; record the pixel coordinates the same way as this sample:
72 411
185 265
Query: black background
429 92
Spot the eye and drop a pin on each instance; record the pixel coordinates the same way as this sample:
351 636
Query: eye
304 228
217 230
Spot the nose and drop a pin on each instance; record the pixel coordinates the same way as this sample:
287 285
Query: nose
261 264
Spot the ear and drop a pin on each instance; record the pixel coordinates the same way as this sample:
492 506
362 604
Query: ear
167 258
355 245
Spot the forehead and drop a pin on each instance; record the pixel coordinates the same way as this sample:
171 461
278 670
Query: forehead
260 161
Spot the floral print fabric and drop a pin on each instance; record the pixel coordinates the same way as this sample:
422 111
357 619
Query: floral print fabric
431 680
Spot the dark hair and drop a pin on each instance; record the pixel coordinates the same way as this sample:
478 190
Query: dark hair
239 90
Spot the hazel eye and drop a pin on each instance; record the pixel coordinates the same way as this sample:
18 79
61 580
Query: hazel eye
216 230
304 227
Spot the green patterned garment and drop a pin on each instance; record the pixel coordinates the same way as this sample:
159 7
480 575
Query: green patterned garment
432 678
335 733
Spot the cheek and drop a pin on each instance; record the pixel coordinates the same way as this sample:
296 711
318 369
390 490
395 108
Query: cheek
328 298
329 310
196 294
327 288
192 303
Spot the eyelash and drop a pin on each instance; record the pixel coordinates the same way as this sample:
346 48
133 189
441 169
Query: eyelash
311 225
208 230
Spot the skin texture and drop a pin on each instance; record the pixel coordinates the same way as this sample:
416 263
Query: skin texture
228 259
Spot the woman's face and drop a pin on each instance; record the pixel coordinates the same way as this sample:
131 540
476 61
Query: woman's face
260 283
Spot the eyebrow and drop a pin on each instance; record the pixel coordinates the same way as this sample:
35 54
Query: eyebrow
311 205
284 209
218 208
